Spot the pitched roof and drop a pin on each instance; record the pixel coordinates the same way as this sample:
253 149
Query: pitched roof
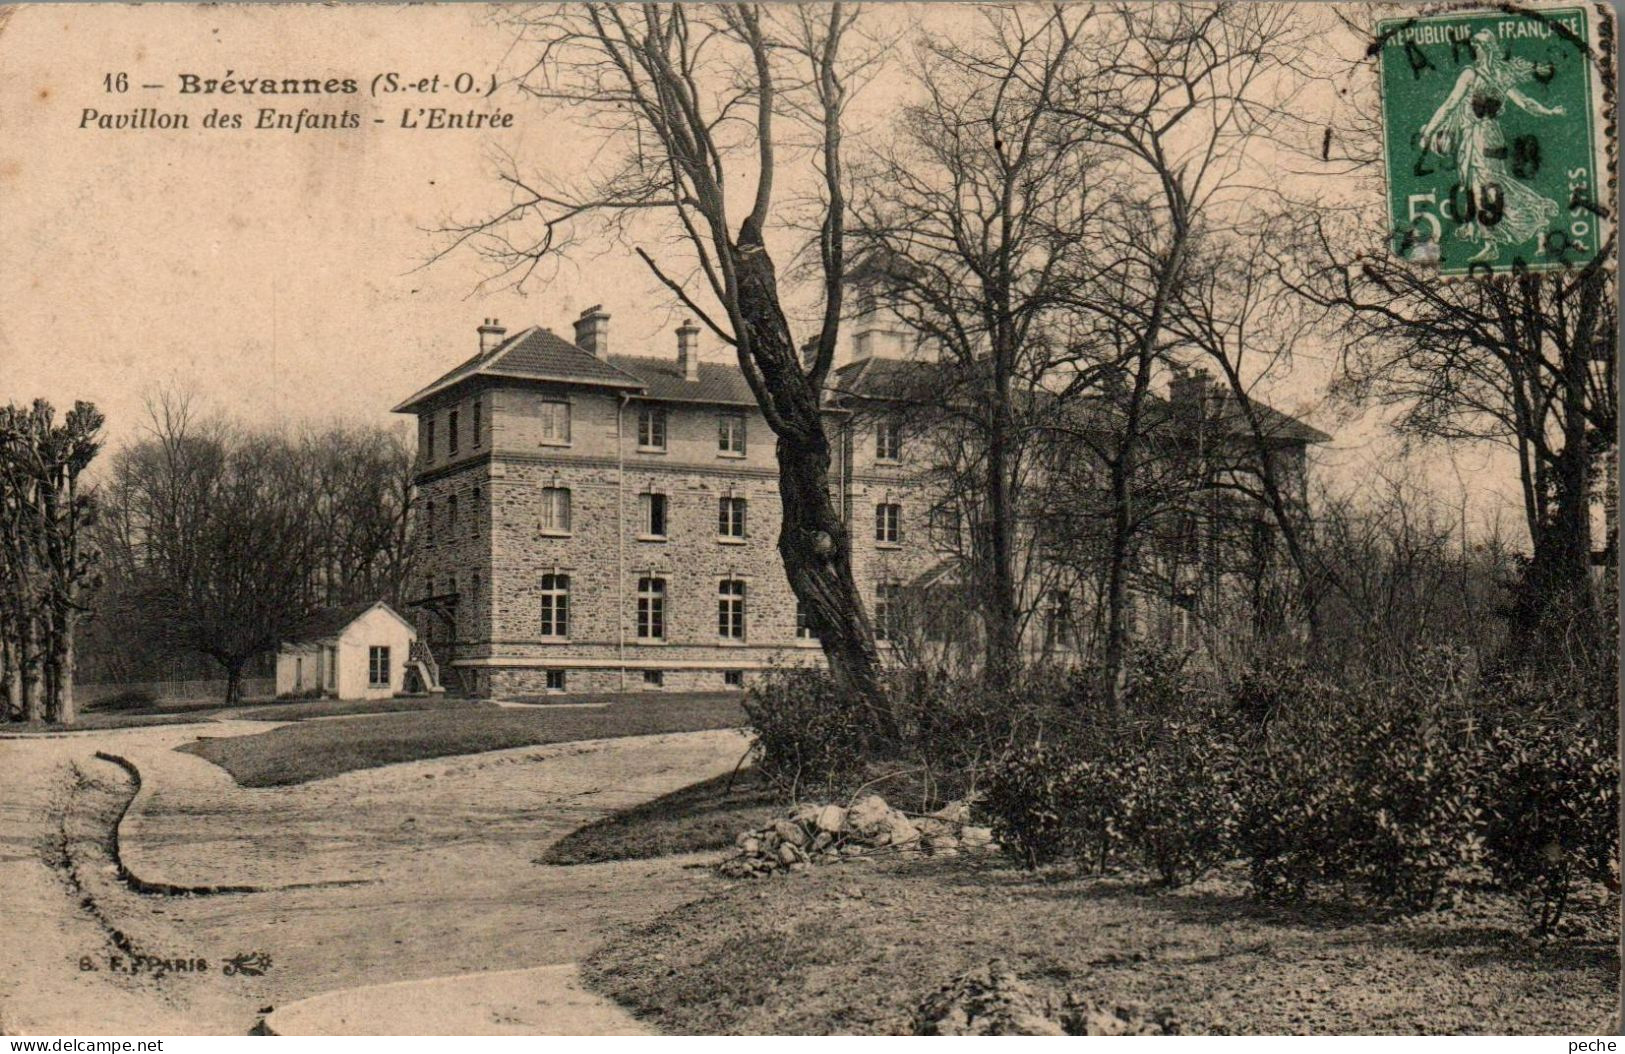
531 354
327 623
718 382
876 379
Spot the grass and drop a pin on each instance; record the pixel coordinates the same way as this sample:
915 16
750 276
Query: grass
193 711
854 947
700 817
312 750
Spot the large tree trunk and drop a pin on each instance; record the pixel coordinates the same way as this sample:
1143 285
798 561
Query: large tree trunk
63 708
234 681
813 541
33 694
1002 644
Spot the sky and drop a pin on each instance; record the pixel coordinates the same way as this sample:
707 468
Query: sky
284 278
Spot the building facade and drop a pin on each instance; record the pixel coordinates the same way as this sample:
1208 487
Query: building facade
592 521
602 522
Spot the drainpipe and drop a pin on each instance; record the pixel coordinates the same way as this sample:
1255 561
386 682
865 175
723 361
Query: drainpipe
620 539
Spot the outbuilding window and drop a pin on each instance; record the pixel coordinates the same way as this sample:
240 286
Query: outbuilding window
378 666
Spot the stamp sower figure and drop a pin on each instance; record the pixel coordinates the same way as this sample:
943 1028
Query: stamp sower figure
1467 125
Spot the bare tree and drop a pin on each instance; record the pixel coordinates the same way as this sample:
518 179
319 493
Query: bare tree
693 102
49 563
1180 95
968 228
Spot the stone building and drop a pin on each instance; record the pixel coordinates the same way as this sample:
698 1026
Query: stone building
600 521
595 521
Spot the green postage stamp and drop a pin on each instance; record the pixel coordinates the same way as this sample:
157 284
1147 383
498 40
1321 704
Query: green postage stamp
1490 133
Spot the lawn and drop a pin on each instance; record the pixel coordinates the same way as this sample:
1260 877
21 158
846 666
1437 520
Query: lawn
702 816
311 750
854 947
195 711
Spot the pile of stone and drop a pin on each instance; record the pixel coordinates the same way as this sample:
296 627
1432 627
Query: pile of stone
810 833
993 1001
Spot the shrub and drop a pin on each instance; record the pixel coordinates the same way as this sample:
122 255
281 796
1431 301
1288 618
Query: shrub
129 699
808 732
1046 806
1550 813
1180 807
1376 792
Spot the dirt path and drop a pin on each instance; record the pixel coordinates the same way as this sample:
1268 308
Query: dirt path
446 849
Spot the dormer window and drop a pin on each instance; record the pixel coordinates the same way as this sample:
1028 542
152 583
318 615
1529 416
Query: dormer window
731 435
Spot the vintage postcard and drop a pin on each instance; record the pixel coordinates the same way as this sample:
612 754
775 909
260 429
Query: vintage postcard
607 519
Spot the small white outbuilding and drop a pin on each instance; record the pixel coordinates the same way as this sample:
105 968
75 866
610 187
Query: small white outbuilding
359 652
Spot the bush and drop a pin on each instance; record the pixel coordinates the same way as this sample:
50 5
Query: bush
1550 814
808 732
1376 792
1180 808
129 699
1046 805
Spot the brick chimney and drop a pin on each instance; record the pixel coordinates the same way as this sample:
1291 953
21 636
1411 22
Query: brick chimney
592 331
491 335
1188 390
688 350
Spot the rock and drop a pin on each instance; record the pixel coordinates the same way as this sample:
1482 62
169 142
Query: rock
744 836
750 846
990 1001
867 817
830 819
955 812
807 813
900 830
976 837
939 844
790 833
789 854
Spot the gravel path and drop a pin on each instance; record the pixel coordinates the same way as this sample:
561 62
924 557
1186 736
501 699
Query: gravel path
446 849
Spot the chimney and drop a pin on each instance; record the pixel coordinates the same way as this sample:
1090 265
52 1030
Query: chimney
491 335
1187 392
592 331
688 350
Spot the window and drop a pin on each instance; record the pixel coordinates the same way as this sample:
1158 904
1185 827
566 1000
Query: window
451 515
733 678
556 606
888 440
428 523
474 512
654 515
889 523
651 609
451 432
652 428
555 422
556 510
428 439
378 666
944 527
804 629
888 610
731 609
475 438
731 517
555 680
474 585
731 435
654 678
